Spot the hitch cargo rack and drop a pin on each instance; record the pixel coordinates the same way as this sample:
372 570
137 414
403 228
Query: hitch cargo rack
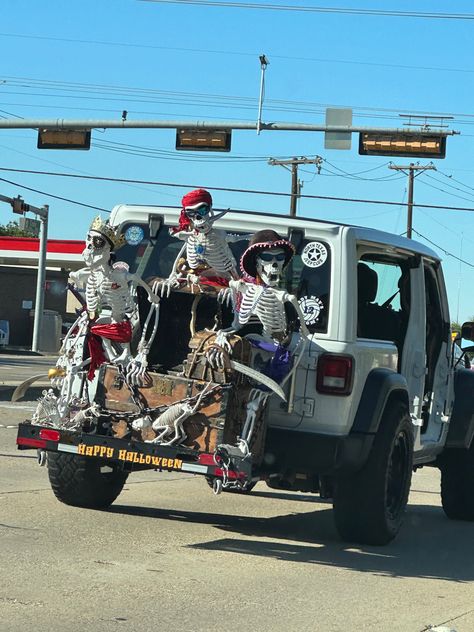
223 466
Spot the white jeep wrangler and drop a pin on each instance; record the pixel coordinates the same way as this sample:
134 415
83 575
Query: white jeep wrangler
376 394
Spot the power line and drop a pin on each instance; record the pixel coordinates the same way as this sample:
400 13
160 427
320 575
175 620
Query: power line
460 197
454 180
347 11
148 95
207 51
231 189
446 252
57 197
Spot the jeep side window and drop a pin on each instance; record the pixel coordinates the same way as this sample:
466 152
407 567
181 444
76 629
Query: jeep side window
383 291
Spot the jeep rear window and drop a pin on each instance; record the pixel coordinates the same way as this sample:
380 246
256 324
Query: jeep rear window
308 274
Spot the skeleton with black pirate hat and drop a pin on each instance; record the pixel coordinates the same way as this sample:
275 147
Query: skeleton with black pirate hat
257 298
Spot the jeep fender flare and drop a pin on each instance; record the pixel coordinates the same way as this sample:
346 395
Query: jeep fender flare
380 387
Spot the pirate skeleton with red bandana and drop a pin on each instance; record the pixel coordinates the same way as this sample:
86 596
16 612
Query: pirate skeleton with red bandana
206 251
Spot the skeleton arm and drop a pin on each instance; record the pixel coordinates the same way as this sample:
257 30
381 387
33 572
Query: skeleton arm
79 277
163 288
227 296
232 239
291 298
152 296
136 368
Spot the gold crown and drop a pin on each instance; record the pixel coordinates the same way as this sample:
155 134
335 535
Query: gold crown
112 235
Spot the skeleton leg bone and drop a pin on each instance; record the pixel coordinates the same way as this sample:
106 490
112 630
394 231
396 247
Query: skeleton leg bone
256 401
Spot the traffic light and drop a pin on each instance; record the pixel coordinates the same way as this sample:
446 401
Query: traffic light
19 206
409 145
203 140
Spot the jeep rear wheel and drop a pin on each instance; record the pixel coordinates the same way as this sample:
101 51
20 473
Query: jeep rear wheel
457 484
369 505
83 482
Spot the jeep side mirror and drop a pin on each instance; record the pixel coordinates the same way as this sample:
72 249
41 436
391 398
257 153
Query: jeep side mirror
467 331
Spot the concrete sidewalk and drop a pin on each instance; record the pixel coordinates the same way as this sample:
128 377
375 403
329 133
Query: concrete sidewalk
18 366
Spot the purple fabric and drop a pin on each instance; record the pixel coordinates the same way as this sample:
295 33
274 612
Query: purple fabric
275 367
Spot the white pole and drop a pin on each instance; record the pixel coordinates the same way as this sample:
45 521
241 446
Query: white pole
40 281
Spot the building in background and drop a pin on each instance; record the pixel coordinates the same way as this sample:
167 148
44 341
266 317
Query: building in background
18 274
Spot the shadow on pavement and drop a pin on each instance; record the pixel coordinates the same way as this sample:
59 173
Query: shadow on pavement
429 545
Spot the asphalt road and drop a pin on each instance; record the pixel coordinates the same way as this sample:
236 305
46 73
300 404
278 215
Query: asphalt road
169 555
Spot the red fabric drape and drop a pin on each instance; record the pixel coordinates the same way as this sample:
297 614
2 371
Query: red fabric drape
120 332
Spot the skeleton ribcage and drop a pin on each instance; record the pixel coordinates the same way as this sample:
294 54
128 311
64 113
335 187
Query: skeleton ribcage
102 292
212 249
262 304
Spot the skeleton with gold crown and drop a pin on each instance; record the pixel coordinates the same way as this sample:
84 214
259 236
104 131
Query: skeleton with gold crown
106 320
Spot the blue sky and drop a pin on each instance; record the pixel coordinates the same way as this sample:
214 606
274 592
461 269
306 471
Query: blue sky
92 60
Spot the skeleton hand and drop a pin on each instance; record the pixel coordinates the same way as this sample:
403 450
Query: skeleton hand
163 288
192 280
216 354
226 296
154 298
136 369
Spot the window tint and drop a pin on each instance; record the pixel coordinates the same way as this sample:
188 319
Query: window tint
308 275
383 296
310 279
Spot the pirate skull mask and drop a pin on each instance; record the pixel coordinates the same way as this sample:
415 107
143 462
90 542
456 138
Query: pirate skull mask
200 217
269 265
97 250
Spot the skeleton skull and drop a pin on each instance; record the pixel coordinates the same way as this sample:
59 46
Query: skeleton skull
269 264
97 250
200 217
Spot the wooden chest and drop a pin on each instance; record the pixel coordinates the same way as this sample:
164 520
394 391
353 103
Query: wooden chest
219 419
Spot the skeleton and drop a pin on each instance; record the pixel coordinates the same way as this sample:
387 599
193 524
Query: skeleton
170 422
205 247
108 307
109 298
260 301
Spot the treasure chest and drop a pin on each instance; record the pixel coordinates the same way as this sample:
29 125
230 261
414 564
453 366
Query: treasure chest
197 367
219 418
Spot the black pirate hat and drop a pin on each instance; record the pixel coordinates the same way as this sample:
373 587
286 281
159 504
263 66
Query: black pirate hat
264 240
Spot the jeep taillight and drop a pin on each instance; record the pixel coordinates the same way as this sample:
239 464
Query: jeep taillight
335 373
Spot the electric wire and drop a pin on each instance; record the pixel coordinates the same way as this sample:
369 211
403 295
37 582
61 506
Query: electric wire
450 177
57 197
446 252
207 99
337 10
427 184
206 51
451 186
231 189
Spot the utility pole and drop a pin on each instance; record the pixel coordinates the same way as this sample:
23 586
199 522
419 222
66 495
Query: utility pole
410 170
295 183
263 66
20 207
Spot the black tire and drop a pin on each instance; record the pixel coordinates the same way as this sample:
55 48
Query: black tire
457 484
369 505
78 481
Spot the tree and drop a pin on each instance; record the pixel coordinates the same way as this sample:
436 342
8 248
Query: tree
12 229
